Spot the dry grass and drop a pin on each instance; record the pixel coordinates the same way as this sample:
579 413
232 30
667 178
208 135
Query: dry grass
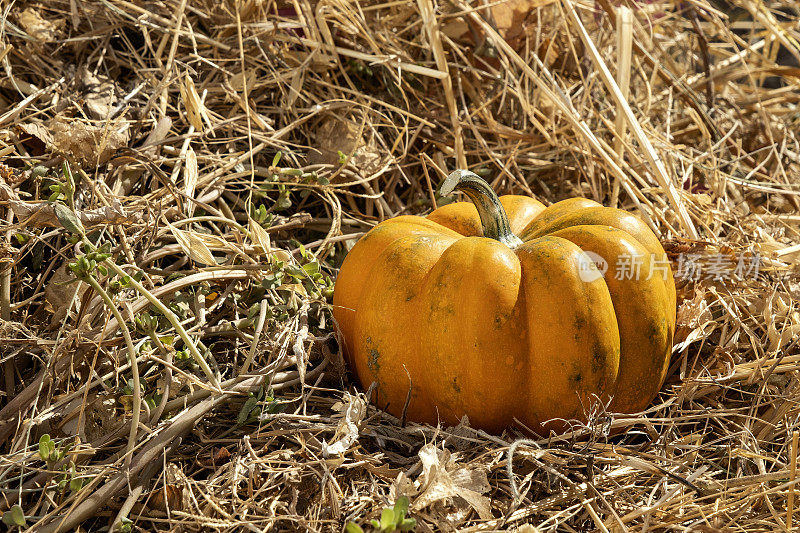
171 113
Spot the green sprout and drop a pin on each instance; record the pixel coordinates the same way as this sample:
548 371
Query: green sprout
392 519
14 517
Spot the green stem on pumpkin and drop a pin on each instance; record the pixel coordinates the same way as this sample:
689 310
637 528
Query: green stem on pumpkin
493 217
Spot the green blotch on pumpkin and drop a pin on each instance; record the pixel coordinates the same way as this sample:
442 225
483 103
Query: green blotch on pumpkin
373 361
598 357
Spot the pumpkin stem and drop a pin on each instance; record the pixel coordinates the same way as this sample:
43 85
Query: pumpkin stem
493 217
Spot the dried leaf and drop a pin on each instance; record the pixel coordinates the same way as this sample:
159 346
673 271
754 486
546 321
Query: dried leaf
215 458
158 133
334 135
510 15
171 496
168 497
85 143
695 312
195 110
99 94
39 132
296 87
442 478
455 28
259 235
43 214
37 27
193 246
694 321
237 79
190 177
59 293
353 409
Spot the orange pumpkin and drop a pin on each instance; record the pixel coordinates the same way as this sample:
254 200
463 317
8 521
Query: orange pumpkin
495 310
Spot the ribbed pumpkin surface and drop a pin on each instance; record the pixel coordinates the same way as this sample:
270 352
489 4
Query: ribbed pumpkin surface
451 323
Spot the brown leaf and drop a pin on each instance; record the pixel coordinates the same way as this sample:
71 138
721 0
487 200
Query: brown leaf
444 479
195 110
99 94
35 137
85 143
10 176
43 214
352 410
159 132
37 27
510 15
215 459
190 174
59 293
167 497
259 236
194 246
334 135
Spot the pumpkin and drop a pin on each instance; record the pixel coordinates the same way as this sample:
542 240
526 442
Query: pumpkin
495 309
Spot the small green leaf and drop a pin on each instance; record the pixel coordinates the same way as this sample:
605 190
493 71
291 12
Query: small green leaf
125 525
387 520
271 281
75 484
68 219
69 177
39 171
284 202
247 408
46 446
14 517
401 508
295 272
408 524
273 406
277 158
311 268
352 527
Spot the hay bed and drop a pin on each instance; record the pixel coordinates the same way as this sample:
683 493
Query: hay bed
171 113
